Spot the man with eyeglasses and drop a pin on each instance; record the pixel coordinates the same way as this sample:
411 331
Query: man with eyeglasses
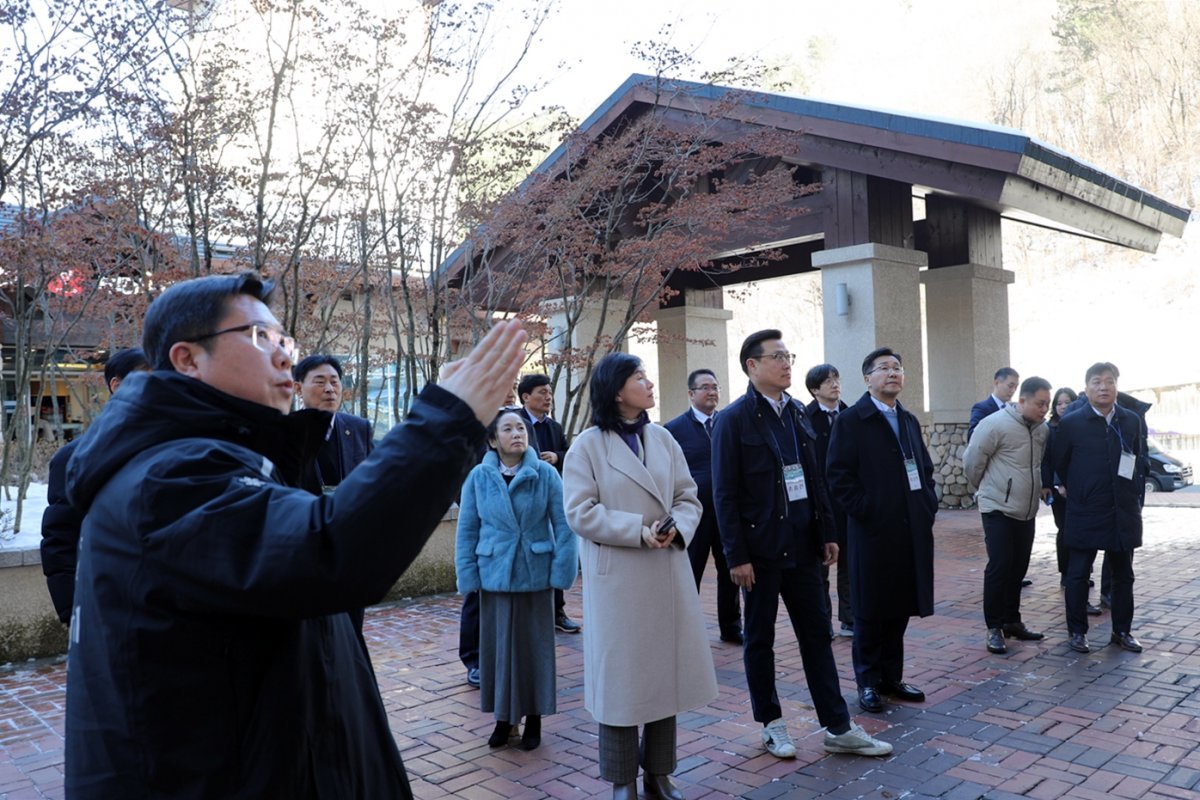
693 430
824 383
881 475
1098 456
773 512
211 653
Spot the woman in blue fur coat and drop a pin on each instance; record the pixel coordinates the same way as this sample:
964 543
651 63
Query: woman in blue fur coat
514 546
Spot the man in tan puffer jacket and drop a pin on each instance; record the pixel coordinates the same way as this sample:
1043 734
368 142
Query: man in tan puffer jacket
1004 460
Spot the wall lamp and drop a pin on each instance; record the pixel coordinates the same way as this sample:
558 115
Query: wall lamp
841 300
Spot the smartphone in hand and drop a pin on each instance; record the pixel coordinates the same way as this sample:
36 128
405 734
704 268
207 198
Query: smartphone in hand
665 525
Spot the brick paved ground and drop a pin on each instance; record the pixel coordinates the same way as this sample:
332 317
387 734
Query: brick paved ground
1041 722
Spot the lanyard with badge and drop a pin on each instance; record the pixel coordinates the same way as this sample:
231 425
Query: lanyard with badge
1127 462
793 474
911 470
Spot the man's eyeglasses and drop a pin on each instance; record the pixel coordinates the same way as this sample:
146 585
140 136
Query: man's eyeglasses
261 336
890 368
779 355
706 387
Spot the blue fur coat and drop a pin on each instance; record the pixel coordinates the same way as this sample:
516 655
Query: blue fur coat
514 537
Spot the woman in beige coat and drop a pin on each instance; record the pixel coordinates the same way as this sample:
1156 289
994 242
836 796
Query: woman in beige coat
646 654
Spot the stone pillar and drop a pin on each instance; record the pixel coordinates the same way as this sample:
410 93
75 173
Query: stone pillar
691 336
967 333
883 307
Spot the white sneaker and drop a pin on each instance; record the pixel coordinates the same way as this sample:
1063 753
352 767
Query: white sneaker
777 739
857 742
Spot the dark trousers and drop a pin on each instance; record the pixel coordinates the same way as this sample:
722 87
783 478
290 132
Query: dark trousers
468 631
1009 543
878 650
1059 509
1121 598
1106 575
803 596
845 613
560 603
704 542
620 754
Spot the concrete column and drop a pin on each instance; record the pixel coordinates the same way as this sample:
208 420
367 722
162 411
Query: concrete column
883 308
691 336
967 329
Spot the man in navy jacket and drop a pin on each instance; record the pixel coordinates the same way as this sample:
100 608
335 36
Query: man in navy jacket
1004 385
882 476
772 509
693 430
1098 455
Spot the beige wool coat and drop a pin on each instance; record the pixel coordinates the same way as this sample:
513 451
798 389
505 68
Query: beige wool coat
646 655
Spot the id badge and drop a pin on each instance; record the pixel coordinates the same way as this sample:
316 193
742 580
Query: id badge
1125 466
914 476
793 481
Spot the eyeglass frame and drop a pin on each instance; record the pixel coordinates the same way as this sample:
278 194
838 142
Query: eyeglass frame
897 369
778 355
286 343
707 387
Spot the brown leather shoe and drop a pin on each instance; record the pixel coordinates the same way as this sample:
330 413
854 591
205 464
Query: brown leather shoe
660 786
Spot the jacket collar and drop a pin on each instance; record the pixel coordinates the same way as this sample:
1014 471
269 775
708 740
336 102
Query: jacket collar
622 459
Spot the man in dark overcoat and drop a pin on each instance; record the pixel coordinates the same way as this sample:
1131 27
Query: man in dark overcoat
881 475
693 430
1098 455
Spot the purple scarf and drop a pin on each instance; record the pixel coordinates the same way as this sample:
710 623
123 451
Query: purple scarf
629 432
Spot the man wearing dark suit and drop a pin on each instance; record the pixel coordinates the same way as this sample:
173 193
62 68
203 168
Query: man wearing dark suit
1098 456
536 399
693 430
824 383
772 506
882 476
1004 385
349 439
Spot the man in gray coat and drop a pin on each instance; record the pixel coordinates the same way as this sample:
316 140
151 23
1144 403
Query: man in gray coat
1004 460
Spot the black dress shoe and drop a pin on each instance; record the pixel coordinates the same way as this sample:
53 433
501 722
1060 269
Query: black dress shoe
732 637
1127 642
625 791
567 625
1079 643
660 786
1017 630
995 641
869 699
902 691
1094 611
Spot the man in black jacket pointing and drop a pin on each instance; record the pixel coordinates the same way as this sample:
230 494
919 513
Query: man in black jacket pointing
211 655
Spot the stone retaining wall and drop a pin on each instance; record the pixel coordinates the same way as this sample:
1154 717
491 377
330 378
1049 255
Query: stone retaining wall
947 442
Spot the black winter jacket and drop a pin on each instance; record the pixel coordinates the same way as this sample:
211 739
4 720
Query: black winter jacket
60 534
210 653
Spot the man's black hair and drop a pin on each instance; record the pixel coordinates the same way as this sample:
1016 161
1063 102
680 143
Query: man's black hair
1032 385
818 375
879 352
193 308
309 363
123 362
1005 372
608 378
1099 368
528 384
698 372
752 347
